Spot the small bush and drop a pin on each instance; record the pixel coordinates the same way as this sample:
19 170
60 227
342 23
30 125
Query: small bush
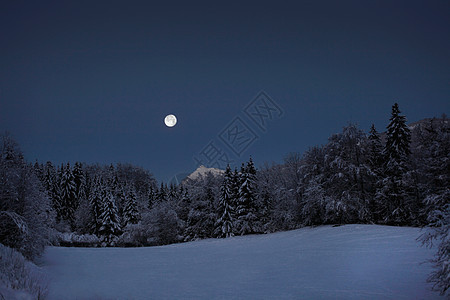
74 240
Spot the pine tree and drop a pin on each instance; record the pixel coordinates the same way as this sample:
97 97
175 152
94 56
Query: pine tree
234 188
184 206
49 183
172 195
49 177
225 210
110 224
131 213
68 195
375 163
151 198
398 140
246 208
39 171
162 193
392 195
95 202
80 181
375 149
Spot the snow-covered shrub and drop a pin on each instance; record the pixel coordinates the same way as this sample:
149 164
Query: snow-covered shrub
71 239
134 235
162 225
439 232
18 274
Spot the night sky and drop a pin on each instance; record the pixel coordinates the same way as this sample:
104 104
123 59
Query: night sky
92 81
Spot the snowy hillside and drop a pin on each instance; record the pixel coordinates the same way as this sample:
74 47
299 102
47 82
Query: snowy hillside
347 262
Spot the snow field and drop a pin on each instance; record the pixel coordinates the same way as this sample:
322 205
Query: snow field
346 262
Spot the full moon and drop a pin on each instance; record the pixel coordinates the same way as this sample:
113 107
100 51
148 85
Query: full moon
170 120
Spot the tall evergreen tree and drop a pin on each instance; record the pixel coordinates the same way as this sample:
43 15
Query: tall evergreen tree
375 151
49 182
95 202
184 205
225 209
151 198
80 181
110 224
234 187
68 195
393 195
398 139
246 208
375 163
131 213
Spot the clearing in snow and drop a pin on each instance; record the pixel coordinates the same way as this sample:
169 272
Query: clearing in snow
346 262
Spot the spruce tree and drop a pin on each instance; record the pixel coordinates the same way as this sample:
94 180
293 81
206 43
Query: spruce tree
375 163
131 213
375 149
151 198
225 210
110 224
162 193
49 183
95 203
392 194
234 186
68 195
184 206
246 209
398 139
80 181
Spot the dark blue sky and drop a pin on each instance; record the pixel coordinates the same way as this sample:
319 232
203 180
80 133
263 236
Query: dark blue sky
92 81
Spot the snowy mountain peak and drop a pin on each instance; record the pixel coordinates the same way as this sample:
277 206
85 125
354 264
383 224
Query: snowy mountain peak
202 171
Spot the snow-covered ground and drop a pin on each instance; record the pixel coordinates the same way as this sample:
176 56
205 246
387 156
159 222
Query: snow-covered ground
347 262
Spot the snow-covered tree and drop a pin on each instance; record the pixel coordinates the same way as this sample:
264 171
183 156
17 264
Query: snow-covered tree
346 178
151 198
225 209
439 233
433 160
25 210
110 224
203 191
162 225
392 195
96 205
131 213
79 179
68 195
374 154
184 205
246 210
161 195
312 208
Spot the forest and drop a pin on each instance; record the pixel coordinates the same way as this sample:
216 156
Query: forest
399 177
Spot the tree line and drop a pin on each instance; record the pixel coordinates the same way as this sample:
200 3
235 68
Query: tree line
399 177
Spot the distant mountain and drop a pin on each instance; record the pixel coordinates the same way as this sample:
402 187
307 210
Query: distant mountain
202 171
